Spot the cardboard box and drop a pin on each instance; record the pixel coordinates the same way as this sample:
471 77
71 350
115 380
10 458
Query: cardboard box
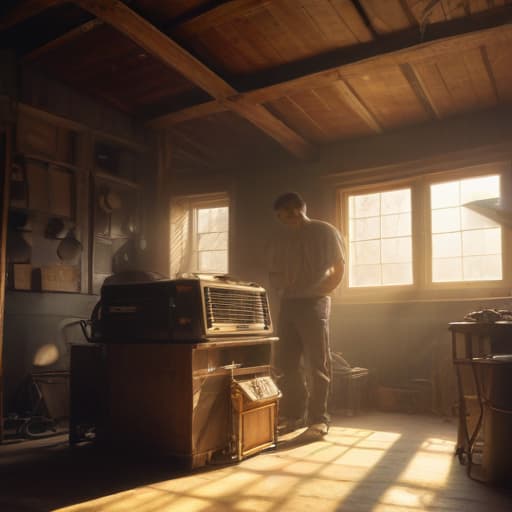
60 278
22 276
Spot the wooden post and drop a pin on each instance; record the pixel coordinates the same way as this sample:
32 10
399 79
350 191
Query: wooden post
5 167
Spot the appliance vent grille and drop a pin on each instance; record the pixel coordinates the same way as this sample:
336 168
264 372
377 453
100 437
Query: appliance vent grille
236 309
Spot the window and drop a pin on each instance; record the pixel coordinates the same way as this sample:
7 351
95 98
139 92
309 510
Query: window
427 236
200 235
466 246
211 239
380 242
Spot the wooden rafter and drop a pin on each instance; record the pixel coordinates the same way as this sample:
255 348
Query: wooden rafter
222 13
416 83
68 36
25 10
143 33
404 49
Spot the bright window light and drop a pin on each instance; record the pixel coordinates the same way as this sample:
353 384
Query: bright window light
212 225
466 246
380 239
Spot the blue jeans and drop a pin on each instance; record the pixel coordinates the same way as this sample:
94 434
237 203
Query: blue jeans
303 358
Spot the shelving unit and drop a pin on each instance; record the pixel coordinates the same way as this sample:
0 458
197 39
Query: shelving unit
58 173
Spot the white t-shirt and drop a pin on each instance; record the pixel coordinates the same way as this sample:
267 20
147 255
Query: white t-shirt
301 256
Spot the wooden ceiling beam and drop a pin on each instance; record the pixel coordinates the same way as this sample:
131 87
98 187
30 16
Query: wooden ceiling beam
65 38
24 10
357 105
421 91
143 33
147 36
383 53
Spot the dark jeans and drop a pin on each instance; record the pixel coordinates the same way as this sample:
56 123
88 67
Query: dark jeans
303 358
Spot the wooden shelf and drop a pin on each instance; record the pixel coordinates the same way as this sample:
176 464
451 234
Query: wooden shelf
39 158
116 179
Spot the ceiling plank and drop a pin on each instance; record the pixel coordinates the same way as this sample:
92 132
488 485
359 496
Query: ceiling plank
395 50
362 62
357 105
126 21
421 91
24 10
223 13
59 41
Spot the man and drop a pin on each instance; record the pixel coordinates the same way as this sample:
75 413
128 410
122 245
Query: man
308 263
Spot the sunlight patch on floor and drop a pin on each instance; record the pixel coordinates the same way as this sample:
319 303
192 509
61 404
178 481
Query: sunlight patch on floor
317 476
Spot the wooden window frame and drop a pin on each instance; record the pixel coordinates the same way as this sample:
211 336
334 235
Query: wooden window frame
192 203
423 288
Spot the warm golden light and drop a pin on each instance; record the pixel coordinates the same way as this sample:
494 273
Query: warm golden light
332 473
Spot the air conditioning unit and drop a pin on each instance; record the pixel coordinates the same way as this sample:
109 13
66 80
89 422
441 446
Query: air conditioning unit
193 309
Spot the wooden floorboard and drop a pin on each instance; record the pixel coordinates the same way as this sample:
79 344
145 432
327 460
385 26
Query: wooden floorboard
371 462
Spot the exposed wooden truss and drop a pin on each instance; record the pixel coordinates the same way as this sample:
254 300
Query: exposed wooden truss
375 56
126 21
409 50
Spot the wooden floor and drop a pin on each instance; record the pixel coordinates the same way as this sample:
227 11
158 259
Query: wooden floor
372 462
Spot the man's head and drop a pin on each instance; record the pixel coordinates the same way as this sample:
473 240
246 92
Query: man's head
290 209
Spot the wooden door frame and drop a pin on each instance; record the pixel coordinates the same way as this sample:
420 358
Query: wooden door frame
5 131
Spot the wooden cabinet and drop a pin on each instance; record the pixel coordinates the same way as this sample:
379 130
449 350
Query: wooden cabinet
175 399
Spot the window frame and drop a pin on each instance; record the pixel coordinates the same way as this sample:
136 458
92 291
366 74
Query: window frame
423 288
190 204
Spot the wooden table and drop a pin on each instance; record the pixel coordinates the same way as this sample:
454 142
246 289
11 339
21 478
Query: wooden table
473 347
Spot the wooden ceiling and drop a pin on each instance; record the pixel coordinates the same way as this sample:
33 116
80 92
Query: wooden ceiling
232 80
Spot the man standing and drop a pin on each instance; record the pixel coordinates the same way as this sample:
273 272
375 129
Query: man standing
308 263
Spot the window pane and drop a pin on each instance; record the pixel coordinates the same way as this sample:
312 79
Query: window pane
365 229
365 252
481 241
365 275
212 219
396 225
396 201
444 195
473 220
446 245
445 220
396 250
447 269
380 237
478 268
213 261
366 205
396 273
472 251
213 241
483 187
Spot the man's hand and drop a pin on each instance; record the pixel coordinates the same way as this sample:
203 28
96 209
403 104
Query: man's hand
332 278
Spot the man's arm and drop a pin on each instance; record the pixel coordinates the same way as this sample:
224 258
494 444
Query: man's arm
332 278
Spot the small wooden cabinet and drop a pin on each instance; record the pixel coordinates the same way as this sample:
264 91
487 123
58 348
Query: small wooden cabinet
175 398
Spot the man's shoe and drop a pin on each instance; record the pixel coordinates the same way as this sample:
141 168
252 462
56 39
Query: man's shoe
286 425
317 430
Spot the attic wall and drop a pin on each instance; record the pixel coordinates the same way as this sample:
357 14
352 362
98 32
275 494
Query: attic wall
397 341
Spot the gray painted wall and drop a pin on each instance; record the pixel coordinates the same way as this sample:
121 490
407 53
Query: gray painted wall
396 341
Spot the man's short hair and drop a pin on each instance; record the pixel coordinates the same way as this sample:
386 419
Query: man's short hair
289 200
